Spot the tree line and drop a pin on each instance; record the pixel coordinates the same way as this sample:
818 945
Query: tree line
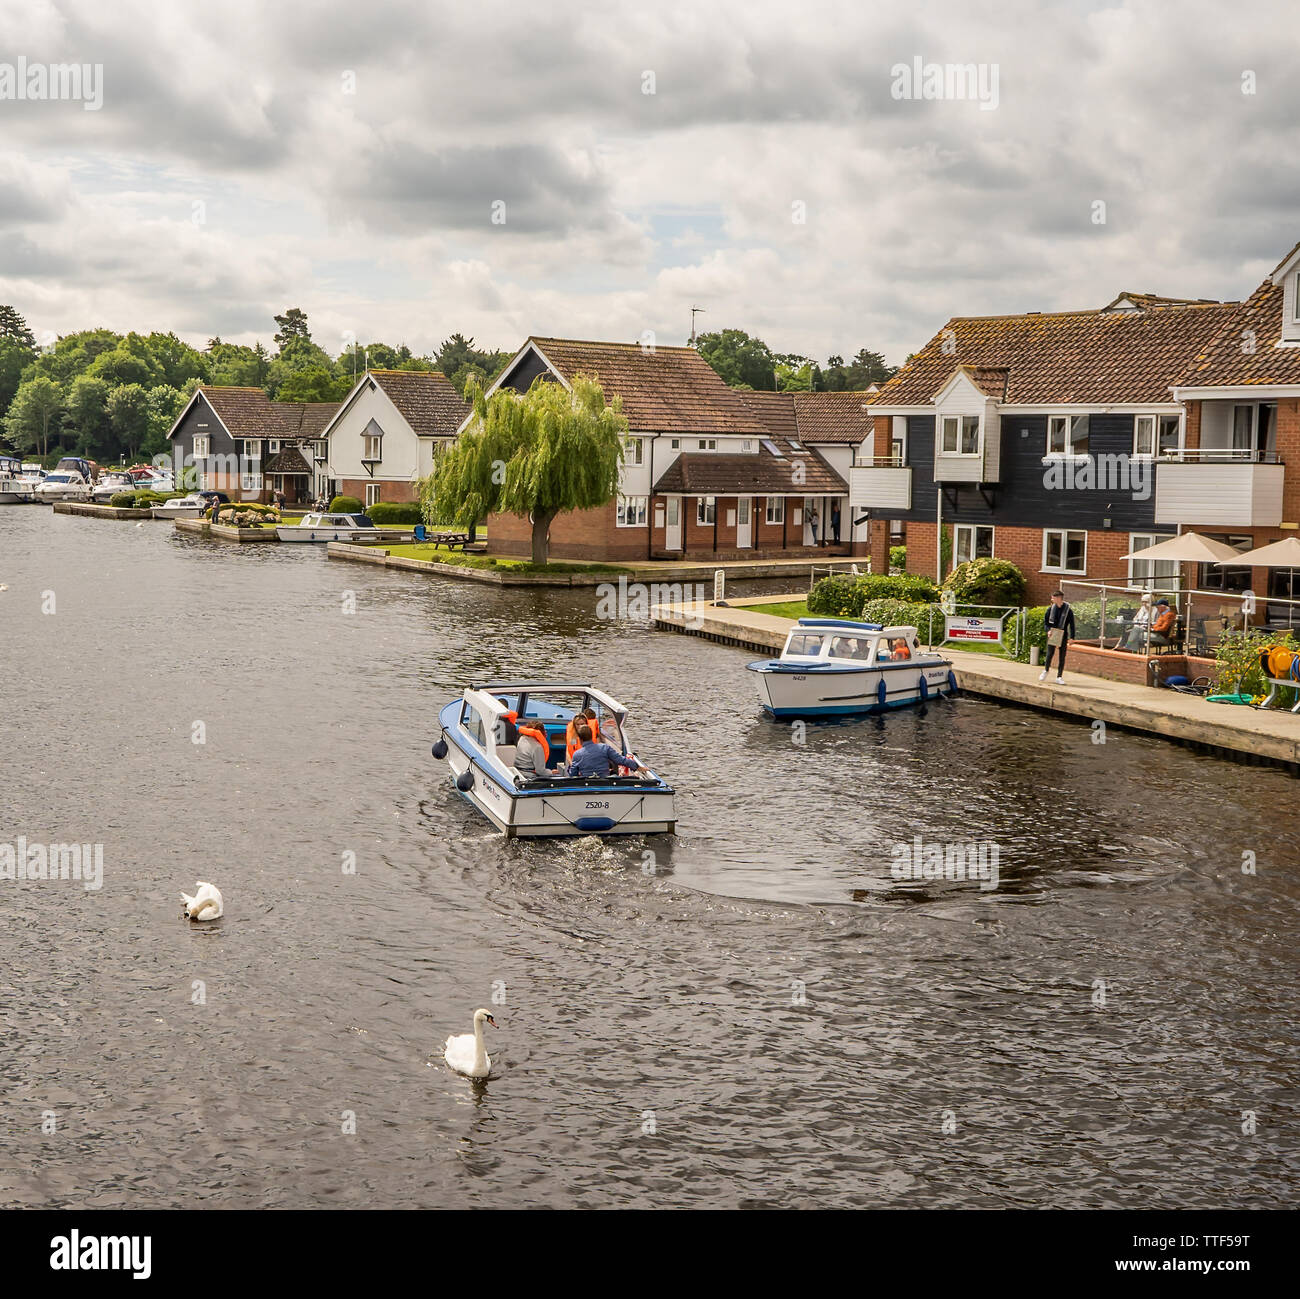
746 362
114 397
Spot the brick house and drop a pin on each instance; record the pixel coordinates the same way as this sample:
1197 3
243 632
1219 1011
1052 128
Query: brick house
241 442
381 440
1059 441
709 472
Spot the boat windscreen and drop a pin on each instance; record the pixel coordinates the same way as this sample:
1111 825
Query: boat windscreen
804 645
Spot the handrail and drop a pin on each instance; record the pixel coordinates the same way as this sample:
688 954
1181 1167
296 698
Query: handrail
1216 456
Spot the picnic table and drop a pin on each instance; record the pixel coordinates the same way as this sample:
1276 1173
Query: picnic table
451 540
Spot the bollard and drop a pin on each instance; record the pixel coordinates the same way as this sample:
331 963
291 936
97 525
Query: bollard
1033 656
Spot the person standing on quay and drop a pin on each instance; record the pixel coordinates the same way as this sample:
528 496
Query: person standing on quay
1059 622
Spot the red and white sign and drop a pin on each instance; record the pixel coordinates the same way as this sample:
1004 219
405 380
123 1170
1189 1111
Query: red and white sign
981 629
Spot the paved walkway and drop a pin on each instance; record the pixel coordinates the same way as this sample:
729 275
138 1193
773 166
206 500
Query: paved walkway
1270 735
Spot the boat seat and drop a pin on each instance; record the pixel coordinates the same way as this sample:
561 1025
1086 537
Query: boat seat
506 752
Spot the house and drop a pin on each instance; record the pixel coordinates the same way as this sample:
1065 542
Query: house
382 436
709 472
1059 441
241 442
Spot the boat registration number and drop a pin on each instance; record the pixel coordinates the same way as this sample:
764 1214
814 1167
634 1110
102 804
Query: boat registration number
597 804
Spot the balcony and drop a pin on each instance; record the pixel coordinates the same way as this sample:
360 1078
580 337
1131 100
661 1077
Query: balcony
883 483
1220 487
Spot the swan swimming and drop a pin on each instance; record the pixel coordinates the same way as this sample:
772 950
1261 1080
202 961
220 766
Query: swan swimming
465 1051
206 904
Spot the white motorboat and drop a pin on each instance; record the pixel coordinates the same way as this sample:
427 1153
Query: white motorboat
479 734
62 485
183 507
834 667
15 487
329 527
110 485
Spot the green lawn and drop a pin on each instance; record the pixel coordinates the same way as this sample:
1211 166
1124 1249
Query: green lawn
458 558
787 609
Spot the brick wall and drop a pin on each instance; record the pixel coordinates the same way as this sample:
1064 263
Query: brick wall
1288 449
578 534
389 490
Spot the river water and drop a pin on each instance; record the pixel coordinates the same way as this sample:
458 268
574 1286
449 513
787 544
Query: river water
753 1014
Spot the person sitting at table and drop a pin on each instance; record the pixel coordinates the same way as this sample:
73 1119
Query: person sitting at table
1135 641
1162 623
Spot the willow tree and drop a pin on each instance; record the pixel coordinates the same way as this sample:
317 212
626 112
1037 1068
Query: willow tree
551 450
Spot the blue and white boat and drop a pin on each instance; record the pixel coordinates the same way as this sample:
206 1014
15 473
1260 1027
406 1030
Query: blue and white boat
833 667
479 732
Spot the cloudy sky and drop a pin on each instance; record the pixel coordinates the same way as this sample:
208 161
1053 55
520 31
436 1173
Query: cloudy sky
346 158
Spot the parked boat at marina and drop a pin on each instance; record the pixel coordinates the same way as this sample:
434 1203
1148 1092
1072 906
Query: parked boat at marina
183 507
834 667
479 734
329 527
68 482
15 487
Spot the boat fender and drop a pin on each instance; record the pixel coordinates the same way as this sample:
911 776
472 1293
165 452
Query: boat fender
465 781
440 749
881 693
925 688
952 682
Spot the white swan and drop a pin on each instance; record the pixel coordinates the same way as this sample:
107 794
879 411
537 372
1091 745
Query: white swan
206 904
465 1051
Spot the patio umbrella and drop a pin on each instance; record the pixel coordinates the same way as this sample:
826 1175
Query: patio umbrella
1190 548
1277 554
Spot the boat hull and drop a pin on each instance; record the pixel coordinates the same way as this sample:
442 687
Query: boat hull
626 809
821 692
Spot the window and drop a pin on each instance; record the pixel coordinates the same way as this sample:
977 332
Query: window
805 645
1065 552
1151 573
632 511
273 446
372 494
1144 436
961 435
1067 435
971 542
250 482
201 447
634 451
747 444
898 448
1243 428
1214 578
708 444
252 450
371 446
322 450
776 509
706 510
675 443
1171 436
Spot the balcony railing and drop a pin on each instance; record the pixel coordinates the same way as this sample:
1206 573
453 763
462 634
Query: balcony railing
896 461
1217 456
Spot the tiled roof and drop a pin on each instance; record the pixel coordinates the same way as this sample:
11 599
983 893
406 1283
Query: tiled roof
813 417
667 390
427 399
1146 301
288 460
250 413
1066 356
764 474
1223 362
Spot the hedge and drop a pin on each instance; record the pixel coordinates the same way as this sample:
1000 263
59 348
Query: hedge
927 618
842 595
986 582
403 513
345 505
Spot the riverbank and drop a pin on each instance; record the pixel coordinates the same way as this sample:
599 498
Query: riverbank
644 571
99 511
1243 734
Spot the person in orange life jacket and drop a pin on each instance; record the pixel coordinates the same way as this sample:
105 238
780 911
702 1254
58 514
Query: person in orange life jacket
532 749
900 650
1059 618
571 742
595 758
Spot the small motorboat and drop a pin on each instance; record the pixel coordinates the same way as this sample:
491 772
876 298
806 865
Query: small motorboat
183 507
329 527
479 732
15 487
833 667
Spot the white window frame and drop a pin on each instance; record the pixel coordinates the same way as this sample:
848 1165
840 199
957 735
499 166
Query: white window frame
746 444
250 482
777 514
706 511
273 446
634 451
675 444
974 529
202 446
1181 430
707 444
1064 534
377 448
1154 577
961 423
632 511
1138 453
1069 453
252 451
373 496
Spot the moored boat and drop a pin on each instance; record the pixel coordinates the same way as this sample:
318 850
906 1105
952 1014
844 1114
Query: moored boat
835 667
329 527
15 488
479 734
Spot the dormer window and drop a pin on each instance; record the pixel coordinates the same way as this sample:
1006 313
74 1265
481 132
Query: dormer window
1067 435
960 435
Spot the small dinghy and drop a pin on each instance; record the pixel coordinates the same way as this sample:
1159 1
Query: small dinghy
832 667
480 733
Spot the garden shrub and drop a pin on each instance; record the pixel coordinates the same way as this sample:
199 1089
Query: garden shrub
122 500
987 582
897 558
1237 655
401 513
345 505
926 617
836 596
842 595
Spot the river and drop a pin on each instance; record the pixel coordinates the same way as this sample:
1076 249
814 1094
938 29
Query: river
755 1013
